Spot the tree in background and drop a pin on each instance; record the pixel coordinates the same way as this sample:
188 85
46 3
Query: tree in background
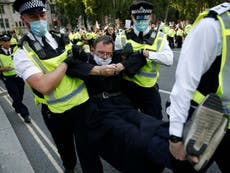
107 11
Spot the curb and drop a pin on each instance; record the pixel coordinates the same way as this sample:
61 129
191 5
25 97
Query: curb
12 156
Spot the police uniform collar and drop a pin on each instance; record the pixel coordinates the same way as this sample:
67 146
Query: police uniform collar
5 50
34 37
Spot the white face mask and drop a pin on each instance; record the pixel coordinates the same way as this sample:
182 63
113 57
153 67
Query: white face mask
101 61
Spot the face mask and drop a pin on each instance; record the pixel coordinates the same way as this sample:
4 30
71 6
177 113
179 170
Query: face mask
101 61
141 25
39 28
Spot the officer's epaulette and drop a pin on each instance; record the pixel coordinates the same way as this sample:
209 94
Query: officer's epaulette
218 10
221 8
128 30
53 32
21 41
129 33
34 44
64 37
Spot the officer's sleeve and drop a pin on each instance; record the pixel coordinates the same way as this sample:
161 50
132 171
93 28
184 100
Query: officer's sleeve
80 69
134 62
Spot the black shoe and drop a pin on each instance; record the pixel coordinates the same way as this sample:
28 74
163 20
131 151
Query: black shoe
27 119
17 111
69 171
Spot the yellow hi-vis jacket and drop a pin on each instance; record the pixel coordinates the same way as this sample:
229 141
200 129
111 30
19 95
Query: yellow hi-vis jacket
147 76
7 61
70 92
223 16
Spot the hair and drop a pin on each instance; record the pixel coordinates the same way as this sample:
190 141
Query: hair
105 39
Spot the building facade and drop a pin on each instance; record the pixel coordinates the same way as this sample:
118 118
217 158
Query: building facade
10 19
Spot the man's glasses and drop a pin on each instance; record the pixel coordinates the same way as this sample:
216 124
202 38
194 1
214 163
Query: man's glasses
103 53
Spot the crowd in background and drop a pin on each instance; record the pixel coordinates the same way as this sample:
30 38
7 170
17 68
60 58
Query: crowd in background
175 31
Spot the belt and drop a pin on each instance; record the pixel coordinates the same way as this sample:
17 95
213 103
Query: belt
106 95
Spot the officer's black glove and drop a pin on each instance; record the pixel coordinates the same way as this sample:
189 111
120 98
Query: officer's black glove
70 60
79 53
127 50
140 51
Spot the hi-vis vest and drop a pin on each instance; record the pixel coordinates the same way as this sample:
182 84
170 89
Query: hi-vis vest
147 76
223 15
7 61
70 92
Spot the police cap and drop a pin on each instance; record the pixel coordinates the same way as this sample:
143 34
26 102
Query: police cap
141 9
5 37
29 6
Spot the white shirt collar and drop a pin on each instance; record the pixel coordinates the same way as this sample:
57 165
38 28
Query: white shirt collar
49 39
5 50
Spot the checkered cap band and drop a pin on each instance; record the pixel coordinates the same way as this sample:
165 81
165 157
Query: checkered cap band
141 10
31 4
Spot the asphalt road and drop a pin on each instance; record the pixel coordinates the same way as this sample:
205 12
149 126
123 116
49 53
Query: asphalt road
37 142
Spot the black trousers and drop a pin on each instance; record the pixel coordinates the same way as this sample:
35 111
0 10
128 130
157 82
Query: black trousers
179 41
171 42
69 132
148 100
129 140
15 87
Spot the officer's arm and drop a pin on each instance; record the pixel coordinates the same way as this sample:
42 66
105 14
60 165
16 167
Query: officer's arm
45 83
132 65
164 57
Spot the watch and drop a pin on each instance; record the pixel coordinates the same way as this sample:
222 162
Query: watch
175 139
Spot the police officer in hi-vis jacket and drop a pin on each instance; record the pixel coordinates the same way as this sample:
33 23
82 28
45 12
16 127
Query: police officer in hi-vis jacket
142 88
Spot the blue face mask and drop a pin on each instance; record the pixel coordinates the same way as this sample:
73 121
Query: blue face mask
39 28
141 25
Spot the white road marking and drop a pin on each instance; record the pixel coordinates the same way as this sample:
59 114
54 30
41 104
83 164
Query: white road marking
36 137
164 91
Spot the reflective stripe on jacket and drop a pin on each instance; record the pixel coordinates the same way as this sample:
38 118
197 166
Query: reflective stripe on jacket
68 93
223 90
147 76
7 61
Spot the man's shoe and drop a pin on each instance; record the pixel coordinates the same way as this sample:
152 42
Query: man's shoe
27 119
205 130
69 171
17 111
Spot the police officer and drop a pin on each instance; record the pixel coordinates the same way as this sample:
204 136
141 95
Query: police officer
203 68
142 88
13 83
41 60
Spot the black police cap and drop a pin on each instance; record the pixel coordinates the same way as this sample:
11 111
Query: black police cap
29 6
5 37
141 9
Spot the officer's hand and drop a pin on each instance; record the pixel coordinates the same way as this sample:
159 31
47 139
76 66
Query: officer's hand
79 53
70 60
177 150
127 50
